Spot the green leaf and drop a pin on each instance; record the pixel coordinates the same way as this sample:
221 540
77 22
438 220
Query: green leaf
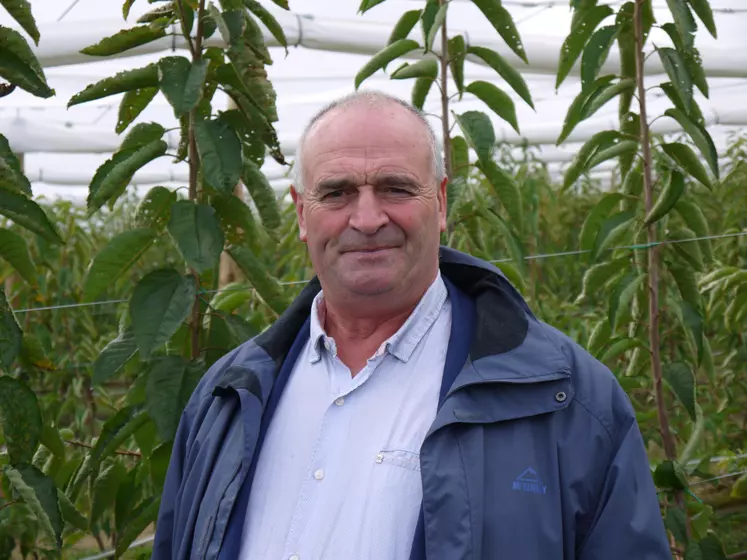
113 357
712 548
575 113
115 259
142 135
503 23
459 157
167 11
676 69
170 384
595 54
127 81
154 210
269 21
266 285
457 54
579 165
14 250
196 230
11 174
19 66
159 304
182 82
125 40
51 439
478 131
404 26
693 321
694 218
497 100
578 37
676 522
116 173
618 348
28 214
20 418
159 464
598 337
384 57
39 493
684 277
599 97
367 5
70 513
126 8
670 475
136 526
429 16
236 219
420 91
688 250
687 160
20 10
105 489
419 69
623 296
231 23
680 378
220 154
619 149
667 199
505 70
699 136
703 9
598 275
505 189
262 195
11 335
438 21
683 20
596 218
133 103
610 232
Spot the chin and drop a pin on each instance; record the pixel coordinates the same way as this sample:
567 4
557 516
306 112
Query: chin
370 284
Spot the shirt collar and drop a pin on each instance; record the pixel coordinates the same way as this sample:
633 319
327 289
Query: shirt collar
401 344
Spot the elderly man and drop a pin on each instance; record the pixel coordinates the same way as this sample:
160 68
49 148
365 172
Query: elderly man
408 405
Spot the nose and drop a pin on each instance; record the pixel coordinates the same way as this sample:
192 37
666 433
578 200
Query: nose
368 215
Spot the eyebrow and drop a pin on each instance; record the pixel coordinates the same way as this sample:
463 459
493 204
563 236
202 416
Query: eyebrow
390 180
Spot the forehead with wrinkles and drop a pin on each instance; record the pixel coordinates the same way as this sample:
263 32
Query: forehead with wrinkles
365 140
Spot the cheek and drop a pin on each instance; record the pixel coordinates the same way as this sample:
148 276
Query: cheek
323 224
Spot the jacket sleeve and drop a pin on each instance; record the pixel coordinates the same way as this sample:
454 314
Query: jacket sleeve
628 522
166 543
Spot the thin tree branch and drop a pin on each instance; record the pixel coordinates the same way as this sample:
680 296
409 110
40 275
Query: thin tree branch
185 31
14 502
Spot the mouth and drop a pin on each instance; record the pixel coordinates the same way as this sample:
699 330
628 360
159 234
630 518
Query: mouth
370 250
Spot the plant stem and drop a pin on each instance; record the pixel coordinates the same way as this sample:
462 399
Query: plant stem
653 253
14 502
88 446
445 95
185 31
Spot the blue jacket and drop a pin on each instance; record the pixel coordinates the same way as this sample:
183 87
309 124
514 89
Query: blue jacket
534 454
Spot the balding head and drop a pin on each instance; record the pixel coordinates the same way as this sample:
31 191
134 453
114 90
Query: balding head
366 100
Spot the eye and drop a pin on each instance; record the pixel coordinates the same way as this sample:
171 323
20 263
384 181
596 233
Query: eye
397 191
333 194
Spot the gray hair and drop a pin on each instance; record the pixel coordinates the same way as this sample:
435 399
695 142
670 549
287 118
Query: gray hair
371 98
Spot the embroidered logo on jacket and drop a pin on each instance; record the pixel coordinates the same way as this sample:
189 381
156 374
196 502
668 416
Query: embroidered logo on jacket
528 481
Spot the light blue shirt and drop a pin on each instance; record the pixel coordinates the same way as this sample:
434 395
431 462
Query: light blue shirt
338 476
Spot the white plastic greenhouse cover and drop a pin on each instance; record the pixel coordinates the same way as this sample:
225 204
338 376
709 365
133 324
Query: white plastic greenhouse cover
331 42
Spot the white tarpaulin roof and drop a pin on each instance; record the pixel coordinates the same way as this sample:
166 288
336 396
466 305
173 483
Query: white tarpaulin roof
332 42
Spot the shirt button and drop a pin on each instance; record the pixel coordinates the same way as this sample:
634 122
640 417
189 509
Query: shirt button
295 557
319 474
340 401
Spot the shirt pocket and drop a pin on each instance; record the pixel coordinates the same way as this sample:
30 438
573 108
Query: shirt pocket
399 458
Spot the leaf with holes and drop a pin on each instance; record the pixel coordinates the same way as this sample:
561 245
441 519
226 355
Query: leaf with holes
196 230
700 137
595 54
114 357
28 214
384 57
404 26
419 69
127 81
236 219
20 10
118 256
505 70
501 20
125 40
266 285
505 190
39 493
11 174
496 99
19 65
159 304
680 378
262 194
15 251
171 381
479 133
182 82
133 103
20 418
687 160
220 154
154 210
578 37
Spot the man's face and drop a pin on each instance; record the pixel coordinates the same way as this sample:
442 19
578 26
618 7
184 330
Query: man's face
371 212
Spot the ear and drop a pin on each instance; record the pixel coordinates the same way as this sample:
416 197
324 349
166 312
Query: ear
298 201
442 203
